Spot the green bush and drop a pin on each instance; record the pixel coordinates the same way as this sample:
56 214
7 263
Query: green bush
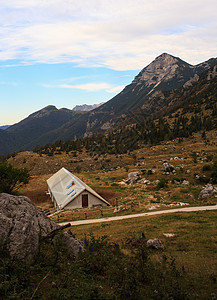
214 173
12 178
207 168
162 183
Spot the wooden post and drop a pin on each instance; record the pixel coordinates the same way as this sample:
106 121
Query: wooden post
85 215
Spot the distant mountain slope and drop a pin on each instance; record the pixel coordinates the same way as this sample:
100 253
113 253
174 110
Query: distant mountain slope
8 142
86 107
184 111
148 94
31 129
4 127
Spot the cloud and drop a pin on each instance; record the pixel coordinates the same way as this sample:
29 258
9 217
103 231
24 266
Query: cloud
90 87
116 89
118 34
8 83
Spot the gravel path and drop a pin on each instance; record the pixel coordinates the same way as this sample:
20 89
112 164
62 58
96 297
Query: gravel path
153 213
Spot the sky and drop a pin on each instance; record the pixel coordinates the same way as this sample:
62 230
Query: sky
71 52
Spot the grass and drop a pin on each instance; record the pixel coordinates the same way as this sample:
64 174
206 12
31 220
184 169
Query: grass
117 264
194 246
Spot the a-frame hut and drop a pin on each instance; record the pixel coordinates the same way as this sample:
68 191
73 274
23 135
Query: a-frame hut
67 191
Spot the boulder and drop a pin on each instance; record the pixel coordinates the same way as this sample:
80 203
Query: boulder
133 177
169 235
22 225
208 191
144 181
167 167
154 244
185 182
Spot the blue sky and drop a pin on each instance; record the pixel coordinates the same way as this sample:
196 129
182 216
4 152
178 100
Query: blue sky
67 52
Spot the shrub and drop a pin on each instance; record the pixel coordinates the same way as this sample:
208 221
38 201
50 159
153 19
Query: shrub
150 172
162 183
12 178
207 168
214 173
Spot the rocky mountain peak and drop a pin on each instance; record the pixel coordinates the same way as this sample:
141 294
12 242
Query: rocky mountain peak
164 66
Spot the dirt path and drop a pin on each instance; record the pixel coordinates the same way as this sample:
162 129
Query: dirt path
153 213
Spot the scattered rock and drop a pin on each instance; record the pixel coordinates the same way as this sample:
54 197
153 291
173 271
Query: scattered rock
154 244
185 182
122 182
22 224
176 182
182 203
133 177
154 207
167 167
169 235
144 181
208 191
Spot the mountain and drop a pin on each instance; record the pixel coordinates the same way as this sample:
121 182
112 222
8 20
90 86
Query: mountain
164 74
4 127
86 107
181 113
29 132
146 96
8 142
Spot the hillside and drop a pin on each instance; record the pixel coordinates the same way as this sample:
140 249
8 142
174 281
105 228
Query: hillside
86 107
181 113
29 132
151 92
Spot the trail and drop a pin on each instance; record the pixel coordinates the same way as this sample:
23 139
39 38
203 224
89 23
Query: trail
153 213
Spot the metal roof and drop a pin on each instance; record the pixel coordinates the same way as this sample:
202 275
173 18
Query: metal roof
65 187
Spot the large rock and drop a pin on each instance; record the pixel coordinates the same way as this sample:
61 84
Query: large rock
208 191
22 225
133 177
168 167
154 244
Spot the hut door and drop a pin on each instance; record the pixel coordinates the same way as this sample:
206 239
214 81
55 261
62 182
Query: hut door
85 200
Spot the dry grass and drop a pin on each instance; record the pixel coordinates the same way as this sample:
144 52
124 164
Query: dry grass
116 168
194 246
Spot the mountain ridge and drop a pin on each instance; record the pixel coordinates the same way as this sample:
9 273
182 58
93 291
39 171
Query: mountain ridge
166 73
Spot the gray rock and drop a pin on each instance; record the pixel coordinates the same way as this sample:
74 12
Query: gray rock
133 177
144 181
22 225
185 182
208 191
167 167
154 244
176 182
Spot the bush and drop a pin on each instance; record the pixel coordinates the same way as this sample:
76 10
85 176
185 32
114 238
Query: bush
12 178
162 183
150 172
207 168
214 173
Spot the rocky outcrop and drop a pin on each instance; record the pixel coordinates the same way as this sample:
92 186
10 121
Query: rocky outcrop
86 107
22 225
154 244
208 191
133 177
167 167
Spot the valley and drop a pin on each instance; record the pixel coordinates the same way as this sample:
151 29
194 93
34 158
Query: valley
151 148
